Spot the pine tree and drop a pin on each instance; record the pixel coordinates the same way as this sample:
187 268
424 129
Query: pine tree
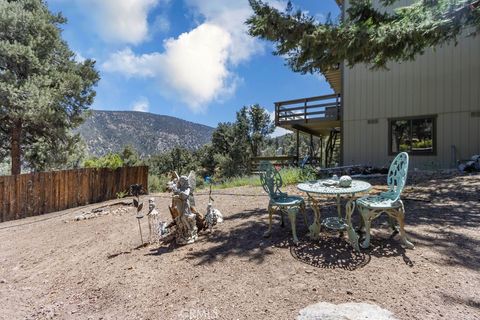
366 34
43 90
235 143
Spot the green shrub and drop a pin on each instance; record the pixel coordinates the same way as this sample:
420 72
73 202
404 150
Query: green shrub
112 161
122 194
157 183
238 182
289 176
297 175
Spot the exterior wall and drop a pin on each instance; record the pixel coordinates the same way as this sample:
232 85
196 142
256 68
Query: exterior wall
445 83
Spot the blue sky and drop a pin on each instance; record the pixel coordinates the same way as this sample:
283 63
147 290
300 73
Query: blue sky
186 58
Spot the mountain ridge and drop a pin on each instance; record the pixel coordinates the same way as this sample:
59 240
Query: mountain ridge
107 131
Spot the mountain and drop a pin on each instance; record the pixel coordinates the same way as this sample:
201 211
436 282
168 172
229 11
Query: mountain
110 131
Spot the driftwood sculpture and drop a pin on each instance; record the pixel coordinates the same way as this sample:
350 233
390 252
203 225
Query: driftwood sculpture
183 211
185 217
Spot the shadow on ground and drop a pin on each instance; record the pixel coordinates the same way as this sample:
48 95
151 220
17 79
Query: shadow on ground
244 240
429 223
330 252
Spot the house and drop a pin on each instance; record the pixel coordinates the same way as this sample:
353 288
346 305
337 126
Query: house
429 107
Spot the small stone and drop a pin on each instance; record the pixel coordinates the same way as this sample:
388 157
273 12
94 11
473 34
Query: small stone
3 281
308 271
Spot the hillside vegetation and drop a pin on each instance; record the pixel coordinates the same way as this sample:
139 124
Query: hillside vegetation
110 131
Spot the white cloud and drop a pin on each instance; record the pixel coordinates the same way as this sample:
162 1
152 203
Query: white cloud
198 65
78 57
141 105
279 131
126 62
123 21
231 15
161 24
194 65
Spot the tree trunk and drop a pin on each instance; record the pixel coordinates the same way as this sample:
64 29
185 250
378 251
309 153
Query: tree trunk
15 151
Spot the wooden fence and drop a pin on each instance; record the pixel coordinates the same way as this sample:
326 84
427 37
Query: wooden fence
34 194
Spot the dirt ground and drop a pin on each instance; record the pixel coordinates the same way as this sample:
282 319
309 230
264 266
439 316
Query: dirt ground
52 267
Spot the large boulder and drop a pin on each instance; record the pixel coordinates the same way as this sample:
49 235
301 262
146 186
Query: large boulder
351 311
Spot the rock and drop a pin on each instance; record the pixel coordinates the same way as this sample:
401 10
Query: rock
3 281
79 218
352 311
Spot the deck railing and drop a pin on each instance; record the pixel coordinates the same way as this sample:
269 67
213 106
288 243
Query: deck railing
282 161
319 108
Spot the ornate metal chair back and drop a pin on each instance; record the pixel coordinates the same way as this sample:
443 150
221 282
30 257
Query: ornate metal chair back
397 176
270 179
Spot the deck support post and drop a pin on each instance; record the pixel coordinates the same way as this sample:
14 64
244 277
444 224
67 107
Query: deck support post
312 151
298 147
321 150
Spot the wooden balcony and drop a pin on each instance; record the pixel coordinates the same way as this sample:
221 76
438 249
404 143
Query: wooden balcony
315 115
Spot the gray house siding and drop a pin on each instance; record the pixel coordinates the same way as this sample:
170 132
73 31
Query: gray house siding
444 83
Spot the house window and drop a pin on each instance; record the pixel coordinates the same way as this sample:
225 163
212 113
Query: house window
413 135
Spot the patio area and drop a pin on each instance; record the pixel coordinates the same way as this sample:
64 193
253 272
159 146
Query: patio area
52 266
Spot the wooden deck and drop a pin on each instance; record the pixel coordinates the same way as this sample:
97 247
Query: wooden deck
314 115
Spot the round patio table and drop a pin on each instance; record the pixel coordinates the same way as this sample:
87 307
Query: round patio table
326 187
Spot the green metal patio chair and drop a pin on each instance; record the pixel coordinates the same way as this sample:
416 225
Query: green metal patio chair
371 207
272 182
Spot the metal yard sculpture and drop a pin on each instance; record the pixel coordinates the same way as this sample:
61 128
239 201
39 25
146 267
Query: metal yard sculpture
213 215
135 191
154 223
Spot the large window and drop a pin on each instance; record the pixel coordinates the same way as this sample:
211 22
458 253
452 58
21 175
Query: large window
412 135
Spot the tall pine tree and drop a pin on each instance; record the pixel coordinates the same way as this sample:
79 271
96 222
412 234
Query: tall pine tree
368 33
43 90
